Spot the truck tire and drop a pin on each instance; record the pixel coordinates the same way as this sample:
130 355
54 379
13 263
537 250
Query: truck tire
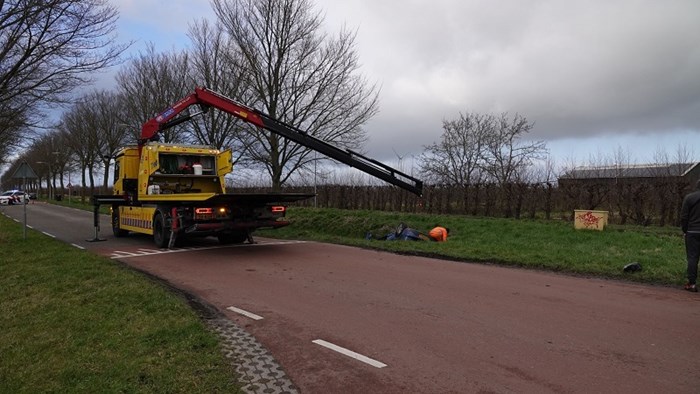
115 225
161 232
232 238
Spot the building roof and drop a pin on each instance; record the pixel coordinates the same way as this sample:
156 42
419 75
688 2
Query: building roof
631 171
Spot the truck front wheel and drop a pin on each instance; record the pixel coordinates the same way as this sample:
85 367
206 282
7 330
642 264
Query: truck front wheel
161 232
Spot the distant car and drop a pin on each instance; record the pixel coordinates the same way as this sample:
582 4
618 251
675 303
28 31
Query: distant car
11 197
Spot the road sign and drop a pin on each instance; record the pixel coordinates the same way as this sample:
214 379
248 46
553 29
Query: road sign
24 171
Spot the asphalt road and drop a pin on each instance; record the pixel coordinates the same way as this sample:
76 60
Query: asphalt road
412 324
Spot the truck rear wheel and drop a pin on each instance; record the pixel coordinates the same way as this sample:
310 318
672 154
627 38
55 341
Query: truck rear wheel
115 225
232 238
161 232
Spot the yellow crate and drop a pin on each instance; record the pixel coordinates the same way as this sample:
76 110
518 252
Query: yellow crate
590 220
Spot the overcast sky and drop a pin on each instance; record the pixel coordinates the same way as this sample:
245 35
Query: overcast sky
592 75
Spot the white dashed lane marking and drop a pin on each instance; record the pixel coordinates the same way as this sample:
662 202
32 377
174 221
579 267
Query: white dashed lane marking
245 313
350 353
45 233
121 254
152 251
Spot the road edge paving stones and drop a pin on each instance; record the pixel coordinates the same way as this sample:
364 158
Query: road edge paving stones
259 372
257 369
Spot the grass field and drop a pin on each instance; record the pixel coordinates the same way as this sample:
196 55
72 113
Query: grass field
71 321
550 245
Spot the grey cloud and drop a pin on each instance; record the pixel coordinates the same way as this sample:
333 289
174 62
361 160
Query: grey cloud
576 68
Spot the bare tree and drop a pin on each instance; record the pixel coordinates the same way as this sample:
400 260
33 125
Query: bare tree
458 158
459 155
78 128
47 49
63 157
45 155
150 84
216 64
12 123
507 153
298 75
105 108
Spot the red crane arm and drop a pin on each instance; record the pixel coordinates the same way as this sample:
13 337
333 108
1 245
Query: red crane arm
204 97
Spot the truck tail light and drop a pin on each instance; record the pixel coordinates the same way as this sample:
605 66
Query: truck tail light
211 213
278 209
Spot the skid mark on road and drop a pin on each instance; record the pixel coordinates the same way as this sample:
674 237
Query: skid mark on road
121 254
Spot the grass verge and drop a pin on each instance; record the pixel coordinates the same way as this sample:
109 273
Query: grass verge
549 245
75 322
540 244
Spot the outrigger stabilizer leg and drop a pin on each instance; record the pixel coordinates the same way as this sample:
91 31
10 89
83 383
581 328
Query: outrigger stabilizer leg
174 228
173 238
96 221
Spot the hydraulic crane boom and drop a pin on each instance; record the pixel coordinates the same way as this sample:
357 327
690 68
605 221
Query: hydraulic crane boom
206 98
